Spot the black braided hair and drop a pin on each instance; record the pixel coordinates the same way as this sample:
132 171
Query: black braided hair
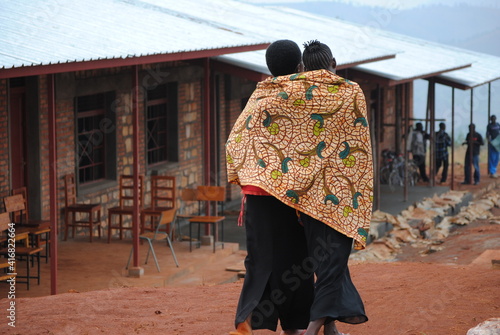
317 56
283 57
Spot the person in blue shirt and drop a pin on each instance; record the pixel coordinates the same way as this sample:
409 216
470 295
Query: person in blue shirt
492 131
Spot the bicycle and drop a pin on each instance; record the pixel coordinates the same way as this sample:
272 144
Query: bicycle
387 165
397 174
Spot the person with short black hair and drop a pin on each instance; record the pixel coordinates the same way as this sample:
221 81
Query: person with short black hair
283 57
473 140
276 241
442 142
418 149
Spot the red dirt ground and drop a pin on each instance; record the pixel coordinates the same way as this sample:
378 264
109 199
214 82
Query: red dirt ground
444 293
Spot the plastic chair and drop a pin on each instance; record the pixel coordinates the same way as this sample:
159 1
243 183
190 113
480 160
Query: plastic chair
126 203
167 218
82 215
211 196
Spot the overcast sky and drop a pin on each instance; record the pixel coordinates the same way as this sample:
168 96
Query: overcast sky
476 28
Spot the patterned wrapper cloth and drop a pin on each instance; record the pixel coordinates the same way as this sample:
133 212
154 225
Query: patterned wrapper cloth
305 140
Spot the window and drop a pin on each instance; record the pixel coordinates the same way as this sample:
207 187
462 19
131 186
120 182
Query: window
161 124
92 136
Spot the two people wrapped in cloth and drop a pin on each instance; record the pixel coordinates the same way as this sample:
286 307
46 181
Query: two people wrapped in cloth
301 151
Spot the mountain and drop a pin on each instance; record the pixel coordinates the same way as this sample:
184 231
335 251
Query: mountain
472 26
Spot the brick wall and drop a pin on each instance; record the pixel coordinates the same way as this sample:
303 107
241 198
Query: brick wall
188 170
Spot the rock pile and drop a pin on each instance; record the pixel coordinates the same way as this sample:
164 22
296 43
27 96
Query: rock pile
427 222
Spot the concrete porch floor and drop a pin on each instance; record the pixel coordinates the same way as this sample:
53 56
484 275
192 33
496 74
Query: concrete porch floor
85 266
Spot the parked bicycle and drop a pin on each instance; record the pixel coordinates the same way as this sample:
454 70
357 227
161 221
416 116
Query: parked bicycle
393 170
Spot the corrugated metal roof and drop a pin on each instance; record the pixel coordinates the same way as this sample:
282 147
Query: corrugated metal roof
484 69
422 59
418 59
276 23
415 58
48 32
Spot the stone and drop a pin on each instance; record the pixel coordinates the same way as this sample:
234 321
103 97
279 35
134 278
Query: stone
136 272
488 327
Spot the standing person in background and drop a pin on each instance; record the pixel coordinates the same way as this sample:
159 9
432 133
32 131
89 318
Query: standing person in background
473 140
442 142
418 149
492 131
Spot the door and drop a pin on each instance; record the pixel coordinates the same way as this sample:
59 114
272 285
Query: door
17 136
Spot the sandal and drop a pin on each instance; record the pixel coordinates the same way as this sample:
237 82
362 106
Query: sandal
243 328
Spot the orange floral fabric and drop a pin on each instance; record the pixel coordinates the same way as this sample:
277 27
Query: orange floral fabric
305 140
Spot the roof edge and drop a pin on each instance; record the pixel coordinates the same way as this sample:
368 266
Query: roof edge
128 61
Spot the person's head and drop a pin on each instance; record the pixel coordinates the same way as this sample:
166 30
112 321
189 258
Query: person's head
283 57
442 126
317 56
472 127
493 119
419 126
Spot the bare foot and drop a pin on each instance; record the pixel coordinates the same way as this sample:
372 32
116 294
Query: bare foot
293 332
314 326
331 329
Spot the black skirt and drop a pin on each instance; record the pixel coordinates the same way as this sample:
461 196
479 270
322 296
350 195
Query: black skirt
276 286
335 296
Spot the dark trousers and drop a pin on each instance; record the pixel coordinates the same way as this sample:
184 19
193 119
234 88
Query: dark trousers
335 296
420 162
276 286
444 162
467 169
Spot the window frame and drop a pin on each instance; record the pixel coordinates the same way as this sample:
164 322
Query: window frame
105 140
170 143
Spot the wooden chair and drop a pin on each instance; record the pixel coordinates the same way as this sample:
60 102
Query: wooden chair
14 205
39 229
7 270
126 204
167 219
26 252
187 196
7 267
82 215
162 198
209 195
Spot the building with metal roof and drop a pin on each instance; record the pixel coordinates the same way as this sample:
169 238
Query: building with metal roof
43 33
101 89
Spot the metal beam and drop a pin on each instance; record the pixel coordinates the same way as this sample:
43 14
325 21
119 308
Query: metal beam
135 148
432 117
117 62
237 71
51 101
452 138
